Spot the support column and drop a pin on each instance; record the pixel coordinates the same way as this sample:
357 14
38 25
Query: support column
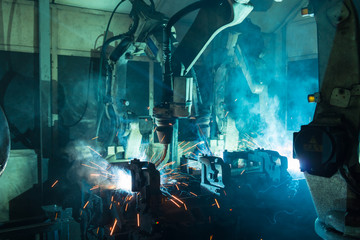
44 89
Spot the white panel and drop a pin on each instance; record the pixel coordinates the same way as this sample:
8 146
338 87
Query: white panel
78 29
82 31
106 5
18 25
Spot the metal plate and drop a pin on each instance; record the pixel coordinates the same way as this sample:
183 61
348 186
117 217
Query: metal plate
4 141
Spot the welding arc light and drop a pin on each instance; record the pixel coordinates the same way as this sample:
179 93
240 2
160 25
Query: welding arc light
122 180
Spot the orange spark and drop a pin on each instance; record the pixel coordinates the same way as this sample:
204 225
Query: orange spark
94 187
113 227
112 198
192 146
217 204
201 150
95 175
54 183
177 187
242 172
89 166
185 145
152 157
194 194
80 212
138 219
162 138
185 207
97 231
94 151
110 206
177 199
98 166
211 237
56 215
86 204
226 113
181 143
95 138
175 203
168 164
126 207
155 129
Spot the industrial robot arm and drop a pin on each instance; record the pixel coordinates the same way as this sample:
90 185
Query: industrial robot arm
328 147
213 17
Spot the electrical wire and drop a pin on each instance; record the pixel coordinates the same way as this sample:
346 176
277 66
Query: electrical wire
100 69
104 40
168 73
87 100
157 163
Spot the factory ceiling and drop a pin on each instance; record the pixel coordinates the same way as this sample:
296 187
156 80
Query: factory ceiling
166 6
268 14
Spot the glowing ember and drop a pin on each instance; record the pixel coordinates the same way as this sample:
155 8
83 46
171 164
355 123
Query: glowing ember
113 227
94 151
86 204
177 199
175 203
54 183
217 203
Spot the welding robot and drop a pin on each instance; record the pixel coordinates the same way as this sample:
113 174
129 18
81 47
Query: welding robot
152 33
328 147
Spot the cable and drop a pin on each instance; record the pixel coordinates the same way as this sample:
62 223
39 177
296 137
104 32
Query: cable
157 163
152 5
87 100
104 40
168 73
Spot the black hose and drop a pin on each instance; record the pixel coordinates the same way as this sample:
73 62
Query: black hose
167 69
104 40
157 163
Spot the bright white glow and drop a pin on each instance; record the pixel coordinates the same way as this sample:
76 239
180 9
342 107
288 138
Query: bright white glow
293 165
122 179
